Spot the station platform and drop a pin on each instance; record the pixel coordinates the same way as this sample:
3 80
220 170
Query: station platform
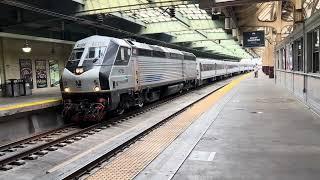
40 99
257 131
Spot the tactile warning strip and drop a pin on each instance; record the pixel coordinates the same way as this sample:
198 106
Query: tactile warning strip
29 104
135 158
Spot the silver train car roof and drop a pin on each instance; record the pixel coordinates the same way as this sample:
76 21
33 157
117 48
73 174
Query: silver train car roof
99 41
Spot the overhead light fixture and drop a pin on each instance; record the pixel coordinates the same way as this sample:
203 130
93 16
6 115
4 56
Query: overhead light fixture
26 48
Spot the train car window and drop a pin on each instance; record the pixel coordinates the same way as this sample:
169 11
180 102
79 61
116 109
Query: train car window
122 53
159 54
315 58
123 56
144 52
134 51
91 53
127 54
207 67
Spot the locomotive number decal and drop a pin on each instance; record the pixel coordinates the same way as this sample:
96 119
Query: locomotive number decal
78 83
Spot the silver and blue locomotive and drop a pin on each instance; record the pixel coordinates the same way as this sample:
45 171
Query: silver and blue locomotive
105 74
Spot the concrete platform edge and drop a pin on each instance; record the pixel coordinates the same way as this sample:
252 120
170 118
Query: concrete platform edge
28 108
169 161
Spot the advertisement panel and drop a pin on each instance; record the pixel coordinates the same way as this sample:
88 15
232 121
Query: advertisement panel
41 73
253 39
26 71
54 73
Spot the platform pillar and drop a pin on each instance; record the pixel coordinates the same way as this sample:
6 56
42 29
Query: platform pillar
268 60
2 65
2 69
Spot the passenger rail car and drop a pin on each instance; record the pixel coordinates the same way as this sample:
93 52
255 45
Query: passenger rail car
109 74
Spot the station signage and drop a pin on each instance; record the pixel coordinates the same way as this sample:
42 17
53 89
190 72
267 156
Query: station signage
253 39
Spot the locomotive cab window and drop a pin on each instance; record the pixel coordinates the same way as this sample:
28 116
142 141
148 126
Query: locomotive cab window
74 59
95 54
76 54
123 56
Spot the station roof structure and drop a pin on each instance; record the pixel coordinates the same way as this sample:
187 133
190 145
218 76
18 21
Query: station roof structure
197 26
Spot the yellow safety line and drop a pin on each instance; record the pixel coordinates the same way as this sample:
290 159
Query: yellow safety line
28 104
133 160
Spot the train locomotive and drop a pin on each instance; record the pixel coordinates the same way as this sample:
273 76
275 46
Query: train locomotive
106 74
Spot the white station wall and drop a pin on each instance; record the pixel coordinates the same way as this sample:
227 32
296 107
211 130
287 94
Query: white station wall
11 52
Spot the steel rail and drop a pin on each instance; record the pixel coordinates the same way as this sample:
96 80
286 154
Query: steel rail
32 138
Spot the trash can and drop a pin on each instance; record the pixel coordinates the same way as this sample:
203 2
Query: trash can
24 88
2 90
12 88
28 90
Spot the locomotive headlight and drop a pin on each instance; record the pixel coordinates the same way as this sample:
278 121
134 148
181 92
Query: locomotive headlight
66 89
96 89
79 70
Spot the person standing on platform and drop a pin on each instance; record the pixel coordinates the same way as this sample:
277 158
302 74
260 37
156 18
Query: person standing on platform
256 69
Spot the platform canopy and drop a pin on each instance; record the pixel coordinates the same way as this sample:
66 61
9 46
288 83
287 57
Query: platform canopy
177 22
207 28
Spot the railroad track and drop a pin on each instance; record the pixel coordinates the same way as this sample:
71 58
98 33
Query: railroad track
18 153
52 144
31 148
33 139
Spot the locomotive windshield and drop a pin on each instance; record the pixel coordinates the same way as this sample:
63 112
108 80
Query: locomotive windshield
95 54
76 54
74 59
